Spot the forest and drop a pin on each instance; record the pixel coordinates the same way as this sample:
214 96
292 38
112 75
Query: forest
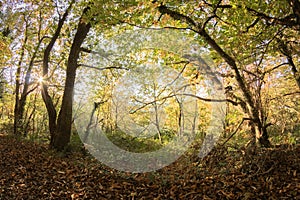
136 99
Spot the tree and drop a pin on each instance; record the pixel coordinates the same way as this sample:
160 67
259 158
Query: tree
28 85
64 121
254 44
26 25
52 113
60 127
220 20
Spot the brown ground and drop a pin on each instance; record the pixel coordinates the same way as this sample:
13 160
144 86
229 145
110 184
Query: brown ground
31 171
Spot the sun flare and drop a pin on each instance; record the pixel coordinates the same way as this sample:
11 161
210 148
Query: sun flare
40 79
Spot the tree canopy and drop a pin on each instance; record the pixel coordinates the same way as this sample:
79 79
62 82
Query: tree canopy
142 84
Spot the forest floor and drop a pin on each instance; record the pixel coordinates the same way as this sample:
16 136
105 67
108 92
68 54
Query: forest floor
31 171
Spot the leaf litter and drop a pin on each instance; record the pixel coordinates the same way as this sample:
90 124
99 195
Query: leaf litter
32 171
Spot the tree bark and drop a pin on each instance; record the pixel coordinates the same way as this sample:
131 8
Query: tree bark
17 117
64 122
287 52
52 114
25 92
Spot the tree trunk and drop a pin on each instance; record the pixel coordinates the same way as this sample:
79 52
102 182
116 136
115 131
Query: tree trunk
17 117
264 138
285 50
52 114
64 122
260 134
19 114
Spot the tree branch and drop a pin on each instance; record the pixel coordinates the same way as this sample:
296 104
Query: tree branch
183 94
274 68
228 59
236 130
291 20
100 69
284 95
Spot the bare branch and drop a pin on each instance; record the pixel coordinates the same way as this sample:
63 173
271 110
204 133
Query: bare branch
236 130
103 54
284 95
34 88
176 15
268 44
289 20
249 72
274 68
182 94
57 10
102 68
251 25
